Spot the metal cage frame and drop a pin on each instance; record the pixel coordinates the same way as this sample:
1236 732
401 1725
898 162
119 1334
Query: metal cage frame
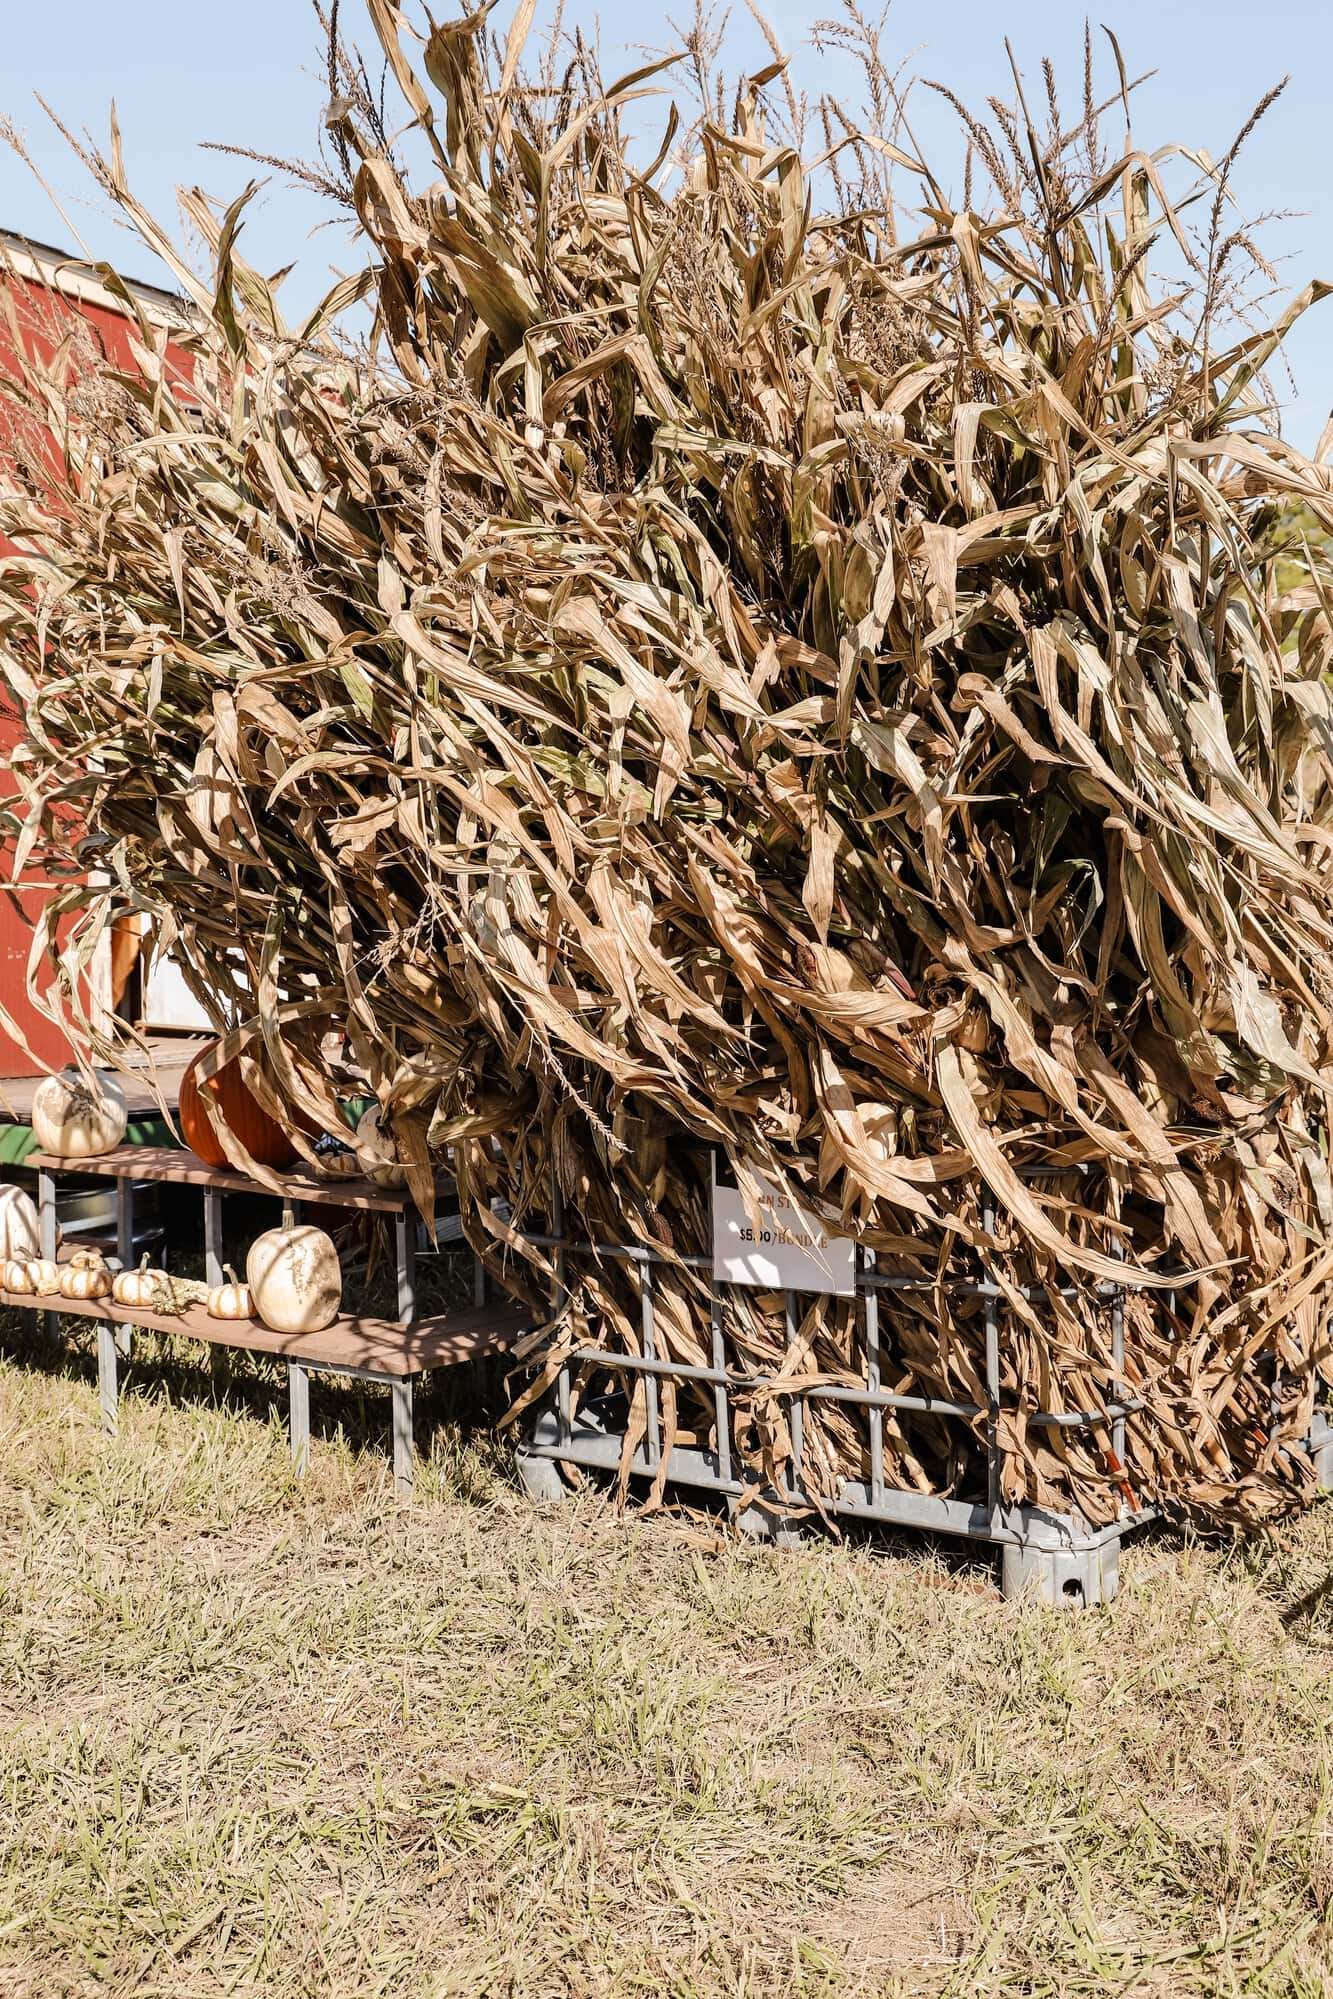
1061 1556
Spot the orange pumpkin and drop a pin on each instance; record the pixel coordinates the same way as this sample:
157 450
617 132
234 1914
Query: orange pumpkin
230 1097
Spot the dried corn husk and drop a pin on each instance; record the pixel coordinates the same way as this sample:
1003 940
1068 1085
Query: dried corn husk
745 666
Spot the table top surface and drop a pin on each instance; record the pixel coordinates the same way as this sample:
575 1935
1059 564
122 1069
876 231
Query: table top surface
370 1346
174 1164
149 1078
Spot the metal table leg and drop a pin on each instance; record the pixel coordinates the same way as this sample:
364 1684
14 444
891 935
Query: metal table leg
108 1391
46 1220
219 1357
405 1247
298 1396
212 1235
125 1252
404 1441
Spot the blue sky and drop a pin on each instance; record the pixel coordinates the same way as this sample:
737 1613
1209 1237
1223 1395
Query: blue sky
248 73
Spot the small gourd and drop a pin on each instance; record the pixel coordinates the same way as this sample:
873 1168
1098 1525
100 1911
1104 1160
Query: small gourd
294 1277
78 1117
20 1233
16 1276
231 1300
138 1287
85 1277
45 1275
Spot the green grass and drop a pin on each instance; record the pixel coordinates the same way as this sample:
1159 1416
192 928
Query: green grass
294 1740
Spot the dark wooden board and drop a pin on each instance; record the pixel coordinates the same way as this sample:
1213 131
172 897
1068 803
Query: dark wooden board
170 1163
378 1345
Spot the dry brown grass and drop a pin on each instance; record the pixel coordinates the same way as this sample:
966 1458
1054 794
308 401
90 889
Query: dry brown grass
262 1738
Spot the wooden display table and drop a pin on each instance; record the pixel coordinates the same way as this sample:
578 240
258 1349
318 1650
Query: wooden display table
390 1353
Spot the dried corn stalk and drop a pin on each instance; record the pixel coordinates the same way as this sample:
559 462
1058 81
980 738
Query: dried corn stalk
742 665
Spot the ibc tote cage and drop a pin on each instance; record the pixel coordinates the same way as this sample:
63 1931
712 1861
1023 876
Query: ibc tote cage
1061 1556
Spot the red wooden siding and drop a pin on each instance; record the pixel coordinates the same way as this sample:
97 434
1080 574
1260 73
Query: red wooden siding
48 303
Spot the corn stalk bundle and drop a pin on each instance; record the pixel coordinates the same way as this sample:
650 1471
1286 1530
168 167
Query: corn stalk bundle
742 663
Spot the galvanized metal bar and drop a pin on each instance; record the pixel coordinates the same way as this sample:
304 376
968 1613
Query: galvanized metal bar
375 1376
125 1223
47 1232
721 1397
108 1387
559 1298
219 1358
830 1391
625 1252
404 1440
1118 1363
679 1370
1086 1419
648 1336
927 1405
991 1320
973 1288
125 1254
1319 1444
213 1268
46 1211
795 1481
405 1257
298 1416
873 1380
885 1398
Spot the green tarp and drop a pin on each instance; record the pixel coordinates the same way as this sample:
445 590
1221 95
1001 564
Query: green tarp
17 1141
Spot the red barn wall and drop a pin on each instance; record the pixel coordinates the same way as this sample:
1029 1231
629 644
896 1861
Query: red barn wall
46 306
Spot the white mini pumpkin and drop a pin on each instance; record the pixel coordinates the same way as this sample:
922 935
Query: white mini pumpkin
74 1118
45 1276
85 1276
20 1231
16 1276
138 1287
231 1300
295 1279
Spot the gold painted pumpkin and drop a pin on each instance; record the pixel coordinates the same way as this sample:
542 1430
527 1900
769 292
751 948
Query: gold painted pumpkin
20 1232
138 1287
74 1117
231 1300
294 1278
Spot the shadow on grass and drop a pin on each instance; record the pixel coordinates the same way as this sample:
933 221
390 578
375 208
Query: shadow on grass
461 1407
453 1404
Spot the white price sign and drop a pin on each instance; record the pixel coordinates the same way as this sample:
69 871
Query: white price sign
774 1246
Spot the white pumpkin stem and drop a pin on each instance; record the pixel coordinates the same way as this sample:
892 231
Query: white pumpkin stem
288 1218
230 1274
